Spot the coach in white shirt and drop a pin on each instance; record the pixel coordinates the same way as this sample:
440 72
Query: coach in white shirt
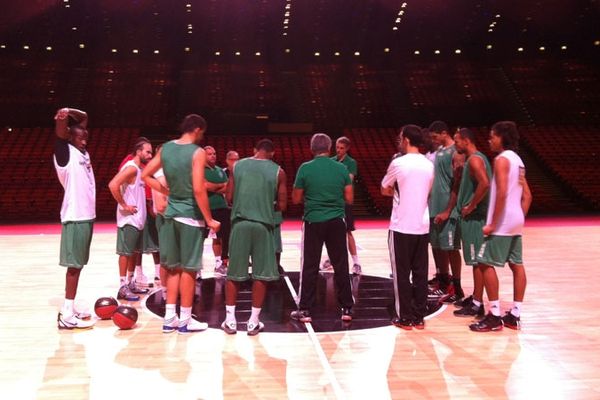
409 228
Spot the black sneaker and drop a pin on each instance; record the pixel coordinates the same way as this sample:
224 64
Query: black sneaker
419 323
471 311
403 323
433 282
451 298
512 322
346 314
466 302
301 315
489 323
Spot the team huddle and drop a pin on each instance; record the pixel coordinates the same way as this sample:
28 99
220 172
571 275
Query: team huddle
167 204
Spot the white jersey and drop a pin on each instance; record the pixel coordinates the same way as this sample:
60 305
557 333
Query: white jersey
414 175
512 219
77 179
134 195
155 193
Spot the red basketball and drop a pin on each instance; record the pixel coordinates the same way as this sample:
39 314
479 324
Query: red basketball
125 317
105 307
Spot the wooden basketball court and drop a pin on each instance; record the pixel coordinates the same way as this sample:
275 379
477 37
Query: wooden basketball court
555 355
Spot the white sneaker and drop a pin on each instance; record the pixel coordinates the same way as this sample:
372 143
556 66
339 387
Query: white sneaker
170 325
254 329
326 266
142 281
191 326
356 269
230 327
82 314
72 322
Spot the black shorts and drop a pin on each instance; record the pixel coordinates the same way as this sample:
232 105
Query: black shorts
349 218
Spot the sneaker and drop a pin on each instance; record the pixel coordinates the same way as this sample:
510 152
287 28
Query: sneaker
403 323
433 282
220 270
436 294
72 322
191 326
135 287
82 315
419 323
471 311
253 328
356 269
326 266
229 327
170 325
125 293
157 280
142 281
512 322
451 299
347 314
489 323
301 315
466 302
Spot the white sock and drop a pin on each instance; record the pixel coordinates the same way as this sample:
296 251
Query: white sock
476 303
129 276
516 310
122 280
170 311
138 270
157 270
355 259
218 259
254 315
185 314
230 313
495 308
67 308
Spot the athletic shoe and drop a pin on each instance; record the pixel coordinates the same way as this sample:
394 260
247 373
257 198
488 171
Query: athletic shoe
142 281
125 293
450 298
82 315
157 280
326 266
403 323
466 302
72 322
220 270
470 311
489 323
301 315
419 323
347 314
191 326
356 269
254 329
434 282
135 287
436 294
229 327
170 325
512 322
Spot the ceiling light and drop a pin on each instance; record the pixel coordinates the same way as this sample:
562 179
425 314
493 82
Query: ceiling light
597 43
156 51
356 53
489 47
2 46
386 50
395 28
457 51
436 52
217 53
113 51
287 50
257 53
74 28
26 47
520 49
49 48
135 51
337 54
237 53
187 49
417 52
317 54
563 47
81 46
542 48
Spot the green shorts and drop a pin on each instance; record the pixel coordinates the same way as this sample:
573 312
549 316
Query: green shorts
129 240
471 234
277 232
445 236
498 250
181 245
75 241
251 240
159 222
150 236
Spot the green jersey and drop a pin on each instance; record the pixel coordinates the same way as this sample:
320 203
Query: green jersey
442 180
255 187
468 184
177 166
323 181
215 175
349 162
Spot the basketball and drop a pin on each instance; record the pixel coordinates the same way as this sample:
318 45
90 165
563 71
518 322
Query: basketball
105 307
125 317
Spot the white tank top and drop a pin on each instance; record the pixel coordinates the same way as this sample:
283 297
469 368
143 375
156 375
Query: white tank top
77 179
133 195
512 219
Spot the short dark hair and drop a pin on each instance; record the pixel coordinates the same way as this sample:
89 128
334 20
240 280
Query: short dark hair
427 145
139 144
466 133
438 127
413 134
507 130
266 145
191 122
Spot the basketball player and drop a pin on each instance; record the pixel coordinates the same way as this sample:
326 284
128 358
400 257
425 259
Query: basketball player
253 187
159 207
78 210
443 230
324 186
510 199
471 209
342 145
129 191
413 176
188 213
216 185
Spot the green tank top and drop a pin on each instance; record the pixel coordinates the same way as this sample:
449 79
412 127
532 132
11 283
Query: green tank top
468 184
177 166
255 186
442 180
